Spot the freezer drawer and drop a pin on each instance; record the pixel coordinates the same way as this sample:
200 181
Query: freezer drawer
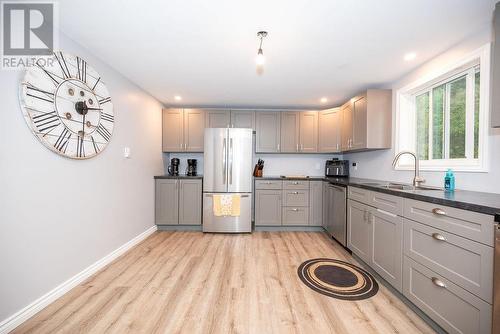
228 224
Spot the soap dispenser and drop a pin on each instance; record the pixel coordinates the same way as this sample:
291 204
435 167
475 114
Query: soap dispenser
449 181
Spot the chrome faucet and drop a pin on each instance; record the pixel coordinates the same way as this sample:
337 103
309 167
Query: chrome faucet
417 180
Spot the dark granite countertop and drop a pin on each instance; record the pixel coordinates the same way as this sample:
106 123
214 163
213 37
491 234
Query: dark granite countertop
487 203
277 177
178 177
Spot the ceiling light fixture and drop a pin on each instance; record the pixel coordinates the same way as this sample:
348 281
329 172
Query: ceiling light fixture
323 100
177 98
260 60
410 56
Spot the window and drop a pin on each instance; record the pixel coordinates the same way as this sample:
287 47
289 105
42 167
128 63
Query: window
444 118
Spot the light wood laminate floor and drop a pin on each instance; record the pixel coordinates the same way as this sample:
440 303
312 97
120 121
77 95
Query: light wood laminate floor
190 282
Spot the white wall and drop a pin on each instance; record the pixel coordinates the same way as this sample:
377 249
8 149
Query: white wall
58 216
377 164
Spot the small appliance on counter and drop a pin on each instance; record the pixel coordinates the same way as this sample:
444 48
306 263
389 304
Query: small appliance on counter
173 169
336 167
191 167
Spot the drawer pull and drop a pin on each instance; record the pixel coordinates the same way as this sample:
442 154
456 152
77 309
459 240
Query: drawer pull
295 182
268 182
438 211
438 282
295 192
438 236
295 209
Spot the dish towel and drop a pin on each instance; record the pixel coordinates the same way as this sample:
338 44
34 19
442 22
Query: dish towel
227 205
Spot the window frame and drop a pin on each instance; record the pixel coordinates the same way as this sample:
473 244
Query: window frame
405 120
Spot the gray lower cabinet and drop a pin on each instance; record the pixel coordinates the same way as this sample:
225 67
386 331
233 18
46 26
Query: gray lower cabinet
267 131
295 216
167 202
358 230
325 200
387 246
268 207
452 307
315 203
178 202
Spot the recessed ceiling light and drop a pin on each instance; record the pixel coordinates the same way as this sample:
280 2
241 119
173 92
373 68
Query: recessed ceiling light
177 98
323 100
410 56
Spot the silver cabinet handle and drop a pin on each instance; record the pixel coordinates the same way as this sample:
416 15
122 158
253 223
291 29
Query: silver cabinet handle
297 147
439 212
231 161
438 282
295 183
295 193
438 236
268 182
295 209
224 161
278 147
364 215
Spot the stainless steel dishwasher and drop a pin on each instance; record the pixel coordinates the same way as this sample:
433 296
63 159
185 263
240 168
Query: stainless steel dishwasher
336 222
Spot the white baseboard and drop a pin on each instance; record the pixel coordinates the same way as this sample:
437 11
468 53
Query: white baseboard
24 314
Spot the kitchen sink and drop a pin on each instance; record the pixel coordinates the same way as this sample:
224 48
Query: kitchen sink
400 186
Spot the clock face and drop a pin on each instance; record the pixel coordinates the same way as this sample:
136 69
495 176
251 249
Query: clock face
67 106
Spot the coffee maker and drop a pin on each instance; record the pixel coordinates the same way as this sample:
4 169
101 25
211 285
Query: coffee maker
173 169
191 167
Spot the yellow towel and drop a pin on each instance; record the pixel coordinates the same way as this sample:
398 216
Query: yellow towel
226 205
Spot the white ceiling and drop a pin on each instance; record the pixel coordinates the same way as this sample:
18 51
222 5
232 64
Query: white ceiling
204 50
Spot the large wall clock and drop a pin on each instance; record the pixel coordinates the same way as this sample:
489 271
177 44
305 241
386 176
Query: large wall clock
67 106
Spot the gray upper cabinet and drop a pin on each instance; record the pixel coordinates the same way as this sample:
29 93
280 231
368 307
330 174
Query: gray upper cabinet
167 202
268 207
243 119
267 129
329 122
190 192
308 133
367 121
183 130
315 203
173 130
387 246
495 70
217 118
290 131
194 130
178 201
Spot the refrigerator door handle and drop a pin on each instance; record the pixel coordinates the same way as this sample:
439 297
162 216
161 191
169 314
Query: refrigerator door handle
231 161
224 158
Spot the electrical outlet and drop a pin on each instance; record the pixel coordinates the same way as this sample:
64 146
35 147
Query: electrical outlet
355 165
126 152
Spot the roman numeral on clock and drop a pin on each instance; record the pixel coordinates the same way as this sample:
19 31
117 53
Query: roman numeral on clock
63 65
105 100
94 144
63 140
46 122
107 117
82 69
80 147
105 134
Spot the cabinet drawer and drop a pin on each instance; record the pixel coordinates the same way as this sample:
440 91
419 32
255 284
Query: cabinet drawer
295 197
295 216
296 184
452 307
358 194
268 184
467 224
466 263
389 203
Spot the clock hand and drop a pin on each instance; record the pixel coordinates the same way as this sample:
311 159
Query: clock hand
93 108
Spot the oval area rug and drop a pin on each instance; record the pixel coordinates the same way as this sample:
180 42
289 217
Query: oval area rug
337 279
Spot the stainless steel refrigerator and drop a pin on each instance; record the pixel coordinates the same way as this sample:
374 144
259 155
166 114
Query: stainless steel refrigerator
227 170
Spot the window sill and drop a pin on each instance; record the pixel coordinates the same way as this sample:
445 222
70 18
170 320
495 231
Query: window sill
462 169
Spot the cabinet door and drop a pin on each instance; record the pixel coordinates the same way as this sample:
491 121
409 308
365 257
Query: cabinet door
387 246
290 131
217 118
172 130
308 134
194 130
324 220
167 202
268 207
190 202
346 126
315 203
329 130
358 230
359 126
243 119
267 132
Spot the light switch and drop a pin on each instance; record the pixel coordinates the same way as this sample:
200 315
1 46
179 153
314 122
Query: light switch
126 152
